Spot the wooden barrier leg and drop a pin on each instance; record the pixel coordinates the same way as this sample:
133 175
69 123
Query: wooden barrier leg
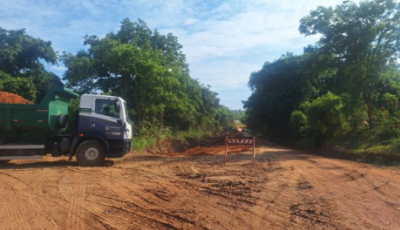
254 151
226 151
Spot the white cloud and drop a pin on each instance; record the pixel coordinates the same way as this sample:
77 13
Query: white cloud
224 41
223 74
191 21
260 23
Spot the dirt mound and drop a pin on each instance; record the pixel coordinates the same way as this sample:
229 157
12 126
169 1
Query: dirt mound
214 150
198 147
10 98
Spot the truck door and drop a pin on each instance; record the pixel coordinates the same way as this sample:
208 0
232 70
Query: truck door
106 119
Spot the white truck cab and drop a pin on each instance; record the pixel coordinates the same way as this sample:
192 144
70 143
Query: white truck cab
104 124
106 108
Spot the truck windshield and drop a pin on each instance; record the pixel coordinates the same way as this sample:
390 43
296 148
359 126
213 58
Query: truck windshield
106 107
126 112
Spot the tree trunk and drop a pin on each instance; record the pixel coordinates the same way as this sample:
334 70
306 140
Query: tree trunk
125 86
370 108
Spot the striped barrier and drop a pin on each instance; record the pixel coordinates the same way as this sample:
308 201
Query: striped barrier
240 141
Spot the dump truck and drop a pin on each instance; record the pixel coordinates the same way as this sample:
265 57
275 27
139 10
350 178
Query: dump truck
100 128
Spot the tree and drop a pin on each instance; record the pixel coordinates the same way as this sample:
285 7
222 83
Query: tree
17 85
150 71
21 58
322 119
363 40
278 89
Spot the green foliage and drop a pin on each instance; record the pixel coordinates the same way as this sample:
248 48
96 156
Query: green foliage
20 53
238 114
150 71
324 118
152 138
363 40
24 87
346 83
21 68
375 146
225 117
298 121
143 142
278 89
243 119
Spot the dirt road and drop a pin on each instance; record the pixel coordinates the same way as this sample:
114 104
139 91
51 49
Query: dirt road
286 189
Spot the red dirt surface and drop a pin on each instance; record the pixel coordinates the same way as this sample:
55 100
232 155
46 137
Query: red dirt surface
10 98
286 189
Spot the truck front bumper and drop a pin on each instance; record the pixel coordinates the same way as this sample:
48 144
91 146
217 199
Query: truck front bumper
119 148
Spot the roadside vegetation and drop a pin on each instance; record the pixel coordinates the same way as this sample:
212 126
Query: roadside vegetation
342 91
158 137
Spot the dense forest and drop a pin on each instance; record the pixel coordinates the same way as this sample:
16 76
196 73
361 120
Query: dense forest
144 67
347 85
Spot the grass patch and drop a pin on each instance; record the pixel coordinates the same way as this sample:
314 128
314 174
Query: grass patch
140 143
374 146
154 137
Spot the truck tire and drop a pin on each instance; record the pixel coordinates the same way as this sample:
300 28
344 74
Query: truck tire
90 153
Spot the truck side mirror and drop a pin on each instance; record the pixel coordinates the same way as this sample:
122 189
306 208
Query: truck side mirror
119 121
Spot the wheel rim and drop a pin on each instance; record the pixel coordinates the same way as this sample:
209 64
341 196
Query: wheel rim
91 154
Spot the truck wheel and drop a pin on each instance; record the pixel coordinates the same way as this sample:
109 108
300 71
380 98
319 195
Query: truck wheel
90 153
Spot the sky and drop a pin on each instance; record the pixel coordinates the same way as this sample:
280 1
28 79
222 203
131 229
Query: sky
224 41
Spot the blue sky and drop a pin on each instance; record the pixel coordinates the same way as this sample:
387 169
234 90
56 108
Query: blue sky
224 41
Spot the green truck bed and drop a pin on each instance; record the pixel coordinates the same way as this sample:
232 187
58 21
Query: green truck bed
37 119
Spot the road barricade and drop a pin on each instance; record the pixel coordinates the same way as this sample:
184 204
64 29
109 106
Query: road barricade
240 141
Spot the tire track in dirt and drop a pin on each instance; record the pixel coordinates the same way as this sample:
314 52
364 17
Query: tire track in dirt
64 188
364 183
159 198
228 204
107 212
37 200
40 218
240 194
279 187
304 199
315 211
344 184
101 202
13 207
140 212
76 213
286 189
149 214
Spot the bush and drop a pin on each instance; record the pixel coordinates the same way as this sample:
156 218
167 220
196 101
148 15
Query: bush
324 119
23 87
150 138
298 121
